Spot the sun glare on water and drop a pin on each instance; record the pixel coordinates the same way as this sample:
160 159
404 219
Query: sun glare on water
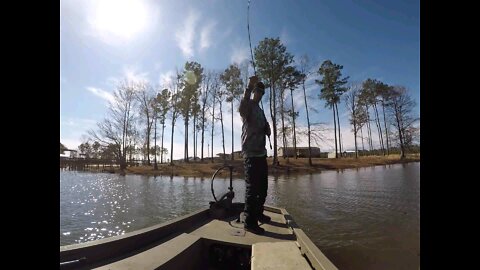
120 18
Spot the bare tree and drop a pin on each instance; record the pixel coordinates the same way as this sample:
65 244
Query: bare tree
357 114
116 128
305 71
400 107
317 133
145 97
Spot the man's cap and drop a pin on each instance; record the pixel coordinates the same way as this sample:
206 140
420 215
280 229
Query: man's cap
260 87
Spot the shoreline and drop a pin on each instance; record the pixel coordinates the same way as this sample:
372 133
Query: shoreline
287 166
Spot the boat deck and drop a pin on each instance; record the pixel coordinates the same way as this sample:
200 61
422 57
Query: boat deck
228 230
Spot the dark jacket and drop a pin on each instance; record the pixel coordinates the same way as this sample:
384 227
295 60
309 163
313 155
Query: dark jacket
254 129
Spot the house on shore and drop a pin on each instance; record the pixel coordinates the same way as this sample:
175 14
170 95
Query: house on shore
301 152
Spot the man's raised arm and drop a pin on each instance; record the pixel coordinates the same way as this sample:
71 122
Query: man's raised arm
244 108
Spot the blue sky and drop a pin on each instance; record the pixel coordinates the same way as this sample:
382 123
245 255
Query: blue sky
103 41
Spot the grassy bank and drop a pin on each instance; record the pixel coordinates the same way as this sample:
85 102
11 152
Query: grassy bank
291 165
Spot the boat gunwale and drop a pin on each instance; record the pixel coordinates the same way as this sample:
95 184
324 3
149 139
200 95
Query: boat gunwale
315 256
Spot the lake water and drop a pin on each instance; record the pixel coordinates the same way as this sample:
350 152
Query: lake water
366 218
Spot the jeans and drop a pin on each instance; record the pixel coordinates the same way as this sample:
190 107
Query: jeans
256 183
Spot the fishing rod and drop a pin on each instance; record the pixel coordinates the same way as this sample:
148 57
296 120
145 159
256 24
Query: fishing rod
249 41
251 54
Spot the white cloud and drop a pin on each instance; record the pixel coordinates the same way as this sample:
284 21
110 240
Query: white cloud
132 74
166 78
129 73
206 35
239 54
185 35
101 93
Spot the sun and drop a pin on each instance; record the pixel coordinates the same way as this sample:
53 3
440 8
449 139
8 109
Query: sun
120 18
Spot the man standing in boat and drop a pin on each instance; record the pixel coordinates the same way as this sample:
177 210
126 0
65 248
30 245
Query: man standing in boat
254 129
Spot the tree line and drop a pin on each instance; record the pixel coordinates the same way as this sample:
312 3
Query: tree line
140 111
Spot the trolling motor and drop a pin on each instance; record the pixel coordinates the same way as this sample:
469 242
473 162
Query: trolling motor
220 208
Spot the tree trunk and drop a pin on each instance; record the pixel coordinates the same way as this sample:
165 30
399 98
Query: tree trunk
205 95
155 166
194 133
379 128
294 133
148 145
273 113
308 126
213 119
354 114
339 133
386 131
223 135
369 131
399 126
171 139
282 115
355 137
186 140
361 134
196 142
335 129
123 162
232 131
161 150
203 137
